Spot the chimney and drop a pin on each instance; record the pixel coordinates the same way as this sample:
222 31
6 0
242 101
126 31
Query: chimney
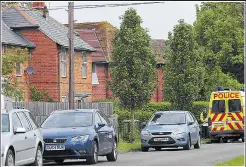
38 5
45 12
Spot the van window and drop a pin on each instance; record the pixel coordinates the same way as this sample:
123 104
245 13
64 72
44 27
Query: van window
234 105
218 106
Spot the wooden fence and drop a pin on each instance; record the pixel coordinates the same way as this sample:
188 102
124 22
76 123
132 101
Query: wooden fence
41 110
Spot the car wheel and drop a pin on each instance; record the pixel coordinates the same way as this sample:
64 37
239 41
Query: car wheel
10 158
198 144
243 139
188 145
158 148
145 149
59 161
94 158
113 155
39 157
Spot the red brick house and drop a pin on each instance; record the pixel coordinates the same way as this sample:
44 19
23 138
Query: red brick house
49 58
100 35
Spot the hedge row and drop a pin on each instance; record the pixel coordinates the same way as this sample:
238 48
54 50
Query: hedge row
144 113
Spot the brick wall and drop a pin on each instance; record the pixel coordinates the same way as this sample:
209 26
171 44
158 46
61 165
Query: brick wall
44 58
99 91
158 95
81 85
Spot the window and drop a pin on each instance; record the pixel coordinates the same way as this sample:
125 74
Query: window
18 69
31 120
93 68
63 62
218 106
69 119
84 65
234 105
97 120
24 121
194 118
94 75
104 119
168 118
5 123
189 118
16 121
64 99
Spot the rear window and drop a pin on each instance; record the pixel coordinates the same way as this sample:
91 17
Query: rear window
218 106
234 105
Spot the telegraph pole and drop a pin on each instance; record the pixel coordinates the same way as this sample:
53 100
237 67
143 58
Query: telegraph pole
71 54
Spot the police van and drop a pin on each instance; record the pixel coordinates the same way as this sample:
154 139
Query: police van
226 115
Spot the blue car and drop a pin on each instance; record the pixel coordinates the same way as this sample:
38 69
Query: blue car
171 129
78 134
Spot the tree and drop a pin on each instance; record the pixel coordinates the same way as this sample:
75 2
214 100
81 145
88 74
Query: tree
184 70
219 30
133 68
12 56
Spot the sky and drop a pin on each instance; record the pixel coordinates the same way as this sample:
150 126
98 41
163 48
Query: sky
159 19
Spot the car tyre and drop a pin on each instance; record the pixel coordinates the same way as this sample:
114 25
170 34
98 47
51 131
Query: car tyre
198 143
59 161
39 157
145 149
188 145
113 155
242 139
158 148
94 157
10 158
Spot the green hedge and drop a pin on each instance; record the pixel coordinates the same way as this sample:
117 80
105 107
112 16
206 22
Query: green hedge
144 113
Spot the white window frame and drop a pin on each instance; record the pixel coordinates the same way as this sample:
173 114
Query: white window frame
63 62
64 97
84 65
18 69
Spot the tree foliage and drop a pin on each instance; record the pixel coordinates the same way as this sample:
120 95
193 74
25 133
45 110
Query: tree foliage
219 31
10 58
37 95
133 68
184 70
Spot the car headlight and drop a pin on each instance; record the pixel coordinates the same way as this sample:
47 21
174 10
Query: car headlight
83 138
178 132
145 133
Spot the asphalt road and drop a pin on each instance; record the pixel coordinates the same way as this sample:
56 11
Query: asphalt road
207 155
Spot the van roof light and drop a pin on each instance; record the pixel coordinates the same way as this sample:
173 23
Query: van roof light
220 88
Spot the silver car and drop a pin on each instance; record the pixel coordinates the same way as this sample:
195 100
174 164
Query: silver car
171 129
22 141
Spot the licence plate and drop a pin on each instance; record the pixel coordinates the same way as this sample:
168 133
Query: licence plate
218 125
54 147
160 139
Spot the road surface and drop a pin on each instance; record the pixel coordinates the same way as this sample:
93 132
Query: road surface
207 155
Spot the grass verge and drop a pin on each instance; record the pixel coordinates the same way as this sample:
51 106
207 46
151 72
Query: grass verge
129 146
238 161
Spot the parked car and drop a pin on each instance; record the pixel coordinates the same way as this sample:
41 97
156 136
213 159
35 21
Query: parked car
171 129
22 141
79 134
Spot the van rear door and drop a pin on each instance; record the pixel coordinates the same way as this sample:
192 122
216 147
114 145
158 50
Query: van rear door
218 114
235 113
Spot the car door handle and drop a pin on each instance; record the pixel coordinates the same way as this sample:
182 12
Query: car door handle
25 137
35 135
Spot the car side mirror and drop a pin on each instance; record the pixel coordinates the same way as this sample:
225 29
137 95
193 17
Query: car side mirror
100 125
20 130
191 123
143 125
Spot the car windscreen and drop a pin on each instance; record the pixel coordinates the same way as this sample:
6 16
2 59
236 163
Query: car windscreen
5 123
168 119
65 120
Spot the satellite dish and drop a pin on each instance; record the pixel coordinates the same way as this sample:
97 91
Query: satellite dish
30 70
